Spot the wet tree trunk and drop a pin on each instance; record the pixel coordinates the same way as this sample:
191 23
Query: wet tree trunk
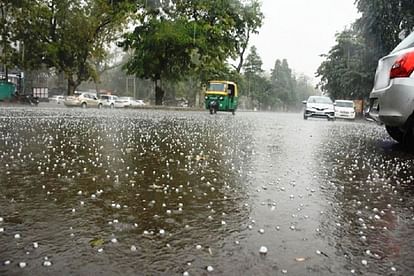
72 85
159 94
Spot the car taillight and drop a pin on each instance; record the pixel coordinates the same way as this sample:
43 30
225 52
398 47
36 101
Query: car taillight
403 67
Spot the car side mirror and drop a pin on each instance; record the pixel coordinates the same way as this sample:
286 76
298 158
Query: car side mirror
304 102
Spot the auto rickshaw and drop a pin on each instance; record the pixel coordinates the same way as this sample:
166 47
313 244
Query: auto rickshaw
221 96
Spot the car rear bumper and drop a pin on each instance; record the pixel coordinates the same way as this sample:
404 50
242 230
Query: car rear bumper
393 104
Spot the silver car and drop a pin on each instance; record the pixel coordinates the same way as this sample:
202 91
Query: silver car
392 98
83 99
319 106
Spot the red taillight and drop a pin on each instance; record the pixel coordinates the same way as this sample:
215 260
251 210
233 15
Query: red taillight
403 67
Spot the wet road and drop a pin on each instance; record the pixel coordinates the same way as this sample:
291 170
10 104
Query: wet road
133 192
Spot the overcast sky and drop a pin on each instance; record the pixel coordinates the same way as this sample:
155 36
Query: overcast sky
300 31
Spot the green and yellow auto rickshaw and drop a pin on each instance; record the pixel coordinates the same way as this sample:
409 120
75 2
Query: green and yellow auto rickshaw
221 96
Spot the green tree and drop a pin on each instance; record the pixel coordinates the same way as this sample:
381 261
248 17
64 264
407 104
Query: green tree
343 73
283 84
186 39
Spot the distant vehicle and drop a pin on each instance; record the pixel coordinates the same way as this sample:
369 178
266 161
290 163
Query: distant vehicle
320 107
83 99
392 98
221 96
344 109
128 102
57 99
108 100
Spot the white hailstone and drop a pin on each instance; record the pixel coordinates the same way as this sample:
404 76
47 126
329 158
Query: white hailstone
263 250
93 196
22 264
393 269
168 245
250 227
223 222
168 212
47 263
162 232
1 219
133 248
377 217
7 262
35 245
318 252
292 227
17 236
82 203
198 247
210 268
79 192
277 228
116 221
353 271
43 187
364 262
100 250
146 232
1 229
73 210
261 231
237 242
284 271
114 240
118 206
185 273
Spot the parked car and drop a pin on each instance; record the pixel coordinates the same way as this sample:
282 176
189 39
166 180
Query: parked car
392 97
344 109
319 106
108 100
57 99
83 99
128 102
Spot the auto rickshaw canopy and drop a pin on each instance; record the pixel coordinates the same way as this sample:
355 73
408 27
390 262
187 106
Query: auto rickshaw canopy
222 87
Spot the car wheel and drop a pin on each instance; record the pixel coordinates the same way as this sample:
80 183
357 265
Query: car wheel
99 106
305 117
112 106
83 105
408 136
396 133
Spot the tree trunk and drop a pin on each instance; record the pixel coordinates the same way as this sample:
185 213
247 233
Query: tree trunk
159 94
71 86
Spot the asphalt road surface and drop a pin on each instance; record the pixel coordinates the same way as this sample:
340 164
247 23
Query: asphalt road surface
141 192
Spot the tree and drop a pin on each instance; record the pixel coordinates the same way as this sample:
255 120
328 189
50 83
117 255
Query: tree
67 35
343 73
182 39
283 83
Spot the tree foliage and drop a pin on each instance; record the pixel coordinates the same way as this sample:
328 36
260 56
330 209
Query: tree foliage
177 39
349 67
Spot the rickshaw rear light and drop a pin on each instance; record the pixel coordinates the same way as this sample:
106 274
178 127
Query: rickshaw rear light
403 66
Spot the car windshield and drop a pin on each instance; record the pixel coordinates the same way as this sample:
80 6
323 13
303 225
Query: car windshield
323 100
408 42
124 99
344 104
216 87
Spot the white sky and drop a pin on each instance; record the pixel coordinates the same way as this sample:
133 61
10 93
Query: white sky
300 31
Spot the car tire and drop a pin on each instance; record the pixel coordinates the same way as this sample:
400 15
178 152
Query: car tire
83 105
99 106
396 133
305 117
408 136
112 106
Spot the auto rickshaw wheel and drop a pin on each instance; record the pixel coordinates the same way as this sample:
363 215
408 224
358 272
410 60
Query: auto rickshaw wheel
233 112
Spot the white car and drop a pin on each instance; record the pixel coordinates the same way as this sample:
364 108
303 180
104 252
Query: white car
57 99
392 98
128 102
108 100
344 109
320 107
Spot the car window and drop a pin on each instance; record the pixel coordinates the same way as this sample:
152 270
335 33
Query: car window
408 42
345 104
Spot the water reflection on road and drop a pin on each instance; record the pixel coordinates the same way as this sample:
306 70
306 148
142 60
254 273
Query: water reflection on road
159 192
